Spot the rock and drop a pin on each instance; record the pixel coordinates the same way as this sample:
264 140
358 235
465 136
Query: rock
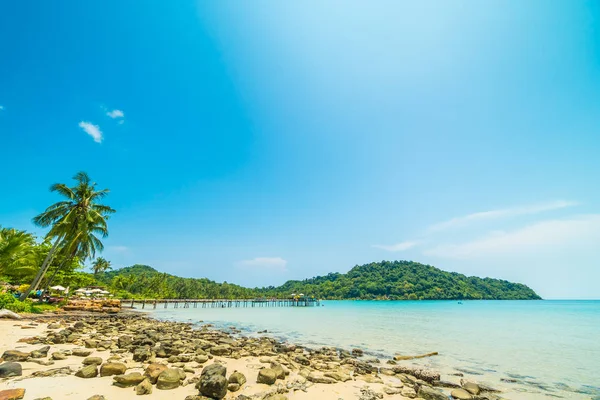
316 377
237 377
233 387
64 371
9 314
40 353
57 355
338 376
170 378
391 391
124 341
201 359
41 362
143 388
367 394
142 354
222 350
370 378
408 392
429 393
15 355
97 397
461 394
357 352
12 394
421 373
471 387
276 396
153 371
89 371
9 369
278 368
43 398
300 359
112 368
92 361
212 381
266 376
82 352
54 325
128 380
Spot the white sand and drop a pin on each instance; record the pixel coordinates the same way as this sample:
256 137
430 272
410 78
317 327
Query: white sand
72 387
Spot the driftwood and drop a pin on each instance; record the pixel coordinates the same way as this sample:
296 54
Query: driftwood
9 314
402 358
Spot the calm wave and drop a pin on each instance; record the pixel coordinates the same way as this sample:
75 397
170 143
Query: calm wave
528 349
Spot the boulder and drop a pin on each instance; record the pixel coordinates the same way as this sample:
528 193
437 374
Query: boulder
170 378
128 380
153 371
143 388
112 368
237 377
338 376
97 397
276 396
142 354
471 387
57 355
201 359
9 369
92 361
357 352
300 359
89 371
267 376
212 381
429 393
12 394
222 350
461 394
40 353
278 368
316 377
15 355
82 352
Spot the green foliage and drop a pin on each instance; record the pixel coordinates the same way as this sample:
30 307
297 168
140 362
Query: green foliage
404 280
9 302
393 280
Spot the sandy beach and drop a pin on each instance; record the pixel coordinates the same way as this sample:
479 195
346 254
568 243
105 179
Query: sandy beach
344 378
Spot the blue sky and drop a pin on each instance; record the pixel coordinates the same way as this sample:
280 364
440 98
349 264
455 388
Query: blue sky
256 142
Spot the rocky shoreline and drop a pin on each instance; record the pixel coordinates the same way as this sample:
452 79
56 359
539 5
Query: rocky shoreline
145 356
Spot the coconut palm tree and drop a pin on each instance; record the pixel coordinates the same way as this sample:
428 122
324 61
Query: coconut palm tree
74 223
17 252
100 266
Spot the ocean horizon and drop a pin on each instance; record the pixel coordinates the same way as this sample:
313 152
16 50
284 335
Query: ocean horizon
527 349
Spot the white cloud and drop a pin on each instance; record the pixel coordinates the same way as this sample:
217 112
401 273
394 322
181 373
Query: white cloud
578 231
92 130
118 249
267 263
402 246
115 114
502 213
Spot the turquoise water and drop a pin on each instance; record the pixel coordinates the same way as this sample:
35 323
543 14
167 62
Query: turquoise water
550 348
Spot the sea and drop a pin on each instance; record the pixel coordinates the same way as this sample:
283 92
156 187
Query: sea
527 349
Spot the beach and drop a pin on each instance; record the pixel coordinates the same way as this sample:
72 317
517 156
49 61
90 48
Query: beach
135 342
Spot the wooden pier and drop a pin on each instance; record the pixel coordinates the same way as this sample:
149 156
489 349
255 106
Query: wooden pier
221 303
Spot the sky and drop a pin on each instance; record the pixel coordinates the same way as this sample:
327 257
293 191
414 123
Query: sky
256 142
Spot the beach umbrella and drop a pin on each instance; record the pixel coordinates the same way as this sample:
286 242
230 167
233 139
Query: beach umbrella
104 292
96 291
80 291
58 287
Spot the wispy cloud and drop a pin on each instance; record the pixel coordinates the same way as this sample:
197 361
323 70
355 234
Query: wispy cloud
501 213
92 130
118 249
581 230
402 246
115 114
267 263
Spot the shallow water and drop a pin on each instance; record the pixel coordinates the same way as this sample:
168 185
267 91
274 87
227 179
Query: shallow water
543 348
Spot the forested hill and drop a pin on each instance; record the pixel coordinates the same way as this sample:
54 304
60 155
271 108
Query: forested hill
401 280
405 280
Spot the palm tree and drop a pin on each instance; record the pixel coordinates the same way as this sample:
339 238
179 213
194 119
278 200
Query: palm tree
100 266
17 255
74 223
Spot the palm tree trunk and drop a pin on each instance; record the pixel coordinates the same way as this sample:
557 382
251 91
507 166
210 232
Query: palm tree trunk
38 278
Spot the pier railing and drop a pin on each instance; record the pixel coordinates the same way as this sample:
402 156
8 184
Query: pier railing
220 303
